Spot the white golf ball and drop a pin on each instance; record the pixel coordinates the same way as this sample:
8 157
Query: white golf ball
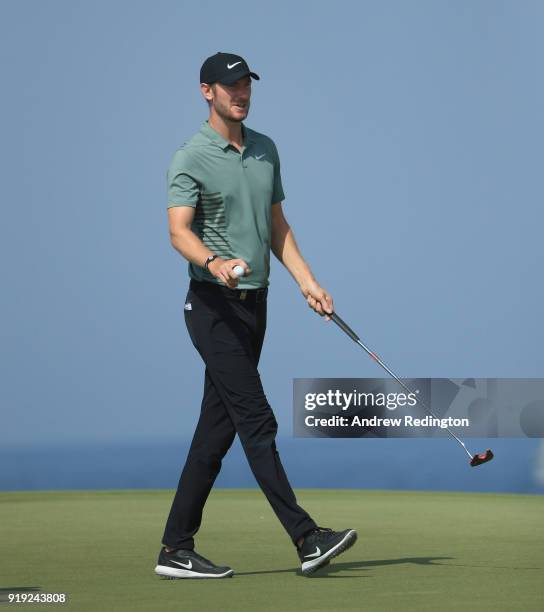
238 270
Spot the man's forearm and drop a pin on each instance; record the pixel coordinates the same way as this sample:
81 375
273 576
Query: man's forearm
190 246
186 242
285 248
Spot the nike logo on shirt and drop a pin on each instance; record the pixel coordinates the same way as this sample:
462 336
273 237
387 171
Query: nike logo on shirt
315 554
260 156
229 66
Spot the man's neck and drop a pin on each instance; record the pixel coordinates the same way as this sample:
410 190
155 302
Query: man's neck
230 130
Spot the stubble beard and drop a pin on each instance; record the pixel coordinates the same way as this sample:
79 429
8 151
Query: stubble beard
226 115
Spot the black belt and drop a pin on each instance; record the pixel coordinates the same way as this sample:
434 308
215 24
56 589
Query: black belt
249 295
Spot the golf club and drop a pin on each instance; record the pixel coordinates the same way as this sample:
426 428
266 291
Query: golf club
475 460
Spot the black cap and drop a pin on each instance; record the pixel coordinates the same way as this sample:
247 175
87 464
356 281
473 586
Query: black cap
225 68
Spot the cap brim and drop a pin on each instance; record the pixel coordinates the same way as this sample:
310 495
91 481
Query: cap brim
232 78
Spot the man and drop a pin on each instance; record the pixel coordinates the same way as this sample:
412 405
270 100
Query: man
224 210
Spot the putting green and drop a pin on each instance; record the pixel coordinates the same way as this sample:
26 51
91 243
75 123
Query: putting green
416 551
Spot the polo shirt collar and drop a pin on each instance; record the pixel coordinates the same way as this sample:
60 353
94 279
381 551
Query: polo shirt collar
219 140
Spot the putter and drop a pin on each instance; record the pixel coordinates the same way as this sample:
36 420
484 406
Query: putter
475 460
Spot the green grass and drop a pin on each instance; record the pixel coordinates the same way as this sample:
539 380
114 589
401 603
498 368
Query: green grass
416 551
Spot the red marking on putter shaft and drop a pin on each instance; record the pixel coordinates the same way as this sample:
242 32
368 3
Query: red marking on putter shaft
374 356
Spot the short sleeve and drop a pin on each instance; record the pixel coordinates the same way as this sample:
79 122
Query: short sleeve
183 189
277 191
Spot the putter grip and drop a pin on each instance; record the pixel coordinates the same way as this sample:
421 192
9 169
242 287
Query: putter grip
344 326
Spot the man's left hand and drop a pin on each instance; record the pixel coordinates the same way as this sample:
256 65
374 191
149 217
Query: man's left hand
318 298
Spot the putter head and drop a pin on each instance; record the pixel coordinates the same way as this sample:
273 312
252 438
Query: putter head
481 458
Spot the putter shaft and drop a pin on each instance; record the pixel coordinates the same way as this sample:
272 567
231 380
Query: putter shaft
347 329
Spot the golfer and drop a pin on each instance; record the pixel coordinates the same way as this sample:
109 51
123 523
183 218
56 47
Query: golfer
225 210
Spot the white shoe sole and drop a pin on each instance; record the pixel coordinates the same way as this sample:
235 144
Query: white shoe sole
308 567
172 572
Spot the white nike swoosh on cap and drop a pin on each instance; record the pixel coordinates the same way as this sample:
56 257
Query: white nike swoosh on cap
315 554
187 565
229 66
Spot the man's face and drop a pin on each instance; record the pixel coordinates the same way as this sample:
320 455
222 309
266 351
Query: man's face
231 102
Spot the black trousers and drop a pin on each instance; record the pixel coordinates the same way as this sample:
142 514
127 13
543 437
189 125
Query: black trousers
228 332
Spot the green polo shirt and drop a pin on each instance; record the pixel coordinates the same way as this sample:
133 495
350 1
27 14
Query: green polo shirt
232 193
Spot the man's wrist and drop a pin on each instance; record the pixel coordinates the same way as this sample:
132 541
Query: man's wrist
209 261
306 281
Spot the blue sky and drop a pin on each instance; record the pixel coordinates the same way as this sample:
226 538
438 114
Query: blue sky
410 137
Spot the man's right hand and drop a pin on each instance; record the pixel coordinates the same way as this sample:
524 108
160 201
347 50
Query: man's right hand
222 269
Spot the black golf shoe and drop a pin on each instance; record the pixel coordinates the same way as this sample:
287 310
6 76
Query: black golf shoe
188 564
321 545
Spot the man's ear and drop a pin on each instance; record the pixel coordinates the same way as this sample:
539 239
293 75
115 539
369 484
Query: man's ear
207 91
